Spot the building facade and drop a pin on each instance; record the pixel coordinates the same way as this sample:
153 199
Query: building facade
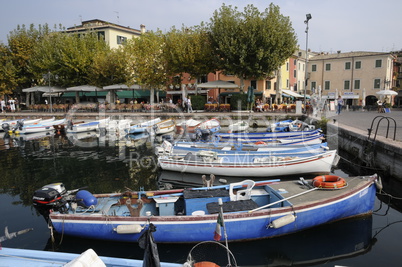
356 76
113 34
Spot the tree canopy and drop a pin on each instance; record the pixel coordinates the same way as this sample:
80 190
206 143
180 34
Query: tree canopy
251 44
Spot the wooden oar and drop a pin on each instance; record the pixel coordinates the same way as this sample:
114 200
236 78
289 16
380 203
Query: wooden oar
279 201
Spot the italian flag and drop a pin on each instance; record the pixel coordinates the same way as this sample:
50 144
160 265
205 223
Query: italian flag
219 225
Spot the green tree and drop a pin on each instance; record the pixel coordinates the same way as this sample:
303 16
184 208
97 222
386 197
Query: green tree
70 56
109 67
147 61
15 62
189 51
8 72
252 44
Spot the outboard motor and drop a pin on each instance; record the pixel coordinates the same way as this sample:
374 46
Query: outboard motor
69 125
6 127
19 125
50 198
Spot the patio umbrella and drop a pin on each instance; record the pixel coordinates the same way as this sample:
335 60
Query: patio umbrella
45 89
123 87
219 84
85 88
387 92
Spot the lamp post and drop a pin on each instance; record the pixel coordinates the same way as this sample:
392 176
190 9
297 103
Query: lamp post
308 17
48 76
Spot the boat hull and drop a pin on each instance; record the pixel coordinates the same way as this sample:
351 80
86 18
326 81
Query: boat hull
316 164
240 226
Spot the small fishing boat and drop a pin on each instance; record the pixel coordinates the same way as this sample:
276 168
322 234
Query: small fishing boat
240 126
86 126
143 126
290 126
268 135
118 125
39 258
42 126
11 124
249 210
169 148
250 165
165 126
187 126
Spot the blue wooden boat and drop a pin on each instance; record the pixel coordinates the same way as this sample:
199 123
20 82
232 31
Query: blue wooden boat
267 135
244 143
250 210
168 148
143 126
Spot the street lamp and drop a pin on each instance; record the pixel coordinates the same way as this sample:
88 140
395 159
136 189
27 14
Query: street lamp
308 17
48 76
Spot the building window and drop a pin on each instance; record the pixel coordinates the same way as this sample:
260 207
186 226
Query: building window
268 85
377 83
287 66
358 65
121 39
347 65
101 35
378 63
295 62
357 84
328 66
294 73
314 67
346 85
287 83
327 85
253 83
313 85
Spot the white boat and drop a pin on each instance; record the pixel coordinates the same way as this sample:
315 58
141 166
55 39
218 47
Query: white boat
165 126
11 124
39 258
118 125
43 126
188 126
86 126
143 126
240 126
320 163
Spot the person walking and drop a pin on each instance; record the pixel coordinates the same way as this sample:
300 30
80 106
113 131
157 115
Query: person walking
189 105
3 105
340 104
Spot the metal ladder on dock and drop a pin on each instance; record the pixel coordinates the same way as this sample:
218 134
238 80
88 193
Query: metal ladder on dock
380 118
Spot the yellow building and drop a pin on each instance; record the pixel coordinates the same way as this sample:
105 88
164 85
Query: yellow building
114 35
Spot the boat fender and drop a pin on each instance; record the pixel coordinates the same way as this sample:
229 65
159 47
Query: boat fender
128 229
378 183
260 143
282 221
86 199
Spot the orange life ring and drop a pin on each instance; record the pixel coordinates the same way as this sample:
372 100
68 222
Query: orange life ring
260 143
329 182
205 264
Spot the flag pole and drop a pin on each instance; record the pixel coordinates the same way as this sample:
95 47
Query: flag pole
224 230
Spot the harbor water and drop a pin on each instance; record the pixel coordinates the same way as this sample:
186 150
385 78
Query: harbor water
111 163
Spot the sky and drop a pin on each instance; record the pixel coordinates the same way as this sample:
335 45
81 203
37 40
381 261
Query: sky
341 25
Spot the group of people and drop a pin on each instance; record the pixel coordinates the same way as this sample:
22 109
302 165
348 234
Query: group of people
9 105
